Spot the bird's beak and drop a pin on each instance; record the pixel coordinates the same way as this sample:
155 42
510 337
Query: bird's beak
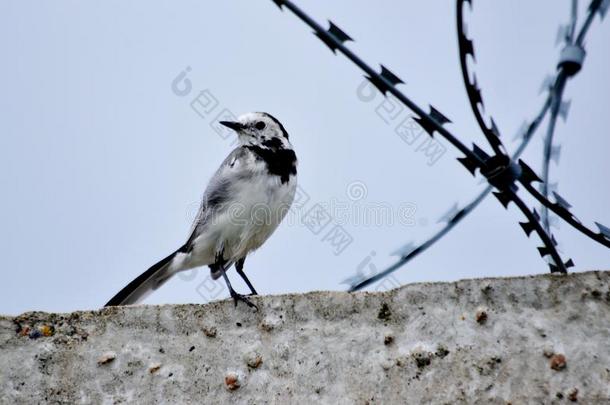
236 126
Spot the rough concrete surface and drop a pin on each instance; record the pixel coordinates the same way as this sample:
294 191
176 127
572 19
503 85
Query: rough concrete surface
541 339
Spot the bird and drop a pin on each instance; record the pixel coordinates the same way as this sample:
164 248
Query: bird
244 202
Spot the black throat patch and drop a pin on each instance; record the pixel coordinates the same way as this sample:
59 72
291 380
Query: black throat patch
280 162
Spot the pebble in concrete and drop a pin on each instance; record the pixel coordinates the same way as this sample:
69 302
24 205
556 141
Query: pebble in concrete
232 381
154 368
106 358
558 362
481 315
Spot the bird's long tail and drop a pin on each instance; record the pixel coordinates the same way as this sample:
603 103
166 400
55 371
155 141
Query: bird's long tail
145 283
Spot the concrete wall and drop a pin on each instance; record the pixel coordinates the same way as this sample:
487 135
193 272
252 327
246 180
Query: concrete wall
543 339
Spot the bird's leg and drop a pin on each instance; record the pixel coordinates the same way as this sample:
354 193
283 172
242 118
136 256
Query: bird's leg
239 266
236 296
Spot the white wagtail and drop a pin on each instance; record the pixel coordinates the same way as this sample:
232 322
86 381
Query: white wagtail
244 202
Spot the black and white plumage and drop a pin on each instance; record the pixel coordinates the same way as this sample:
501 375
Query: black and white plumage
244 202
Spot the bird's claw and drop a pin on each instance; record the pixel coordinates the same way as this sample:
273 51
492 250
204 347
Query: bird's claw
239 297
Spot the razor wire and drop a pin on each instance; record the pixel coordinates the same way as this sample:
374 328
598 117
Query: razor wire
574 54
553 102
565 34
500 170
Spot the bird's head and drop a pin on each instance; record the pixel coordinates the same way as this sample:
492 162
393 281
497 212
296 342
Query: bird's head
260 129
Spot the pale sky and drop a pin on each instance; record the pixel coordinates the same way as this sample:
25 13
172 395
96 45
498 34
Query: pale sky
102 164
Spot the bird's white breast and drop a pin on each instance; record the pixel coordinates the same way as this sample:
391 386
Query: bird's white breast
259 201
264 202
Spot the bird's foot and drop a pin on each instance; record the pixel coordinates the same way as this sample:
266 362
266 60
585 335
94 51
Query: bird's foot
239 297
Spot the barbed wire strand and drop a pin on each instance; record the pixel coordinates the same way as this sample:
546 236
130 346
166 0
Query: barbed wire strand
553 102
410 250
559 87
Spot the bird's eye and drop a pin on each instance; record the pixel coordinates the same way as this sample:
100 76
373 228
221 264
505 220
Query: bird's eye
260 125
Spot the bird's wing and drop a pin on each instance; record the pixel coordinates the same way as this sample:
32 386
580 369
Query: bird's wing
219 190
